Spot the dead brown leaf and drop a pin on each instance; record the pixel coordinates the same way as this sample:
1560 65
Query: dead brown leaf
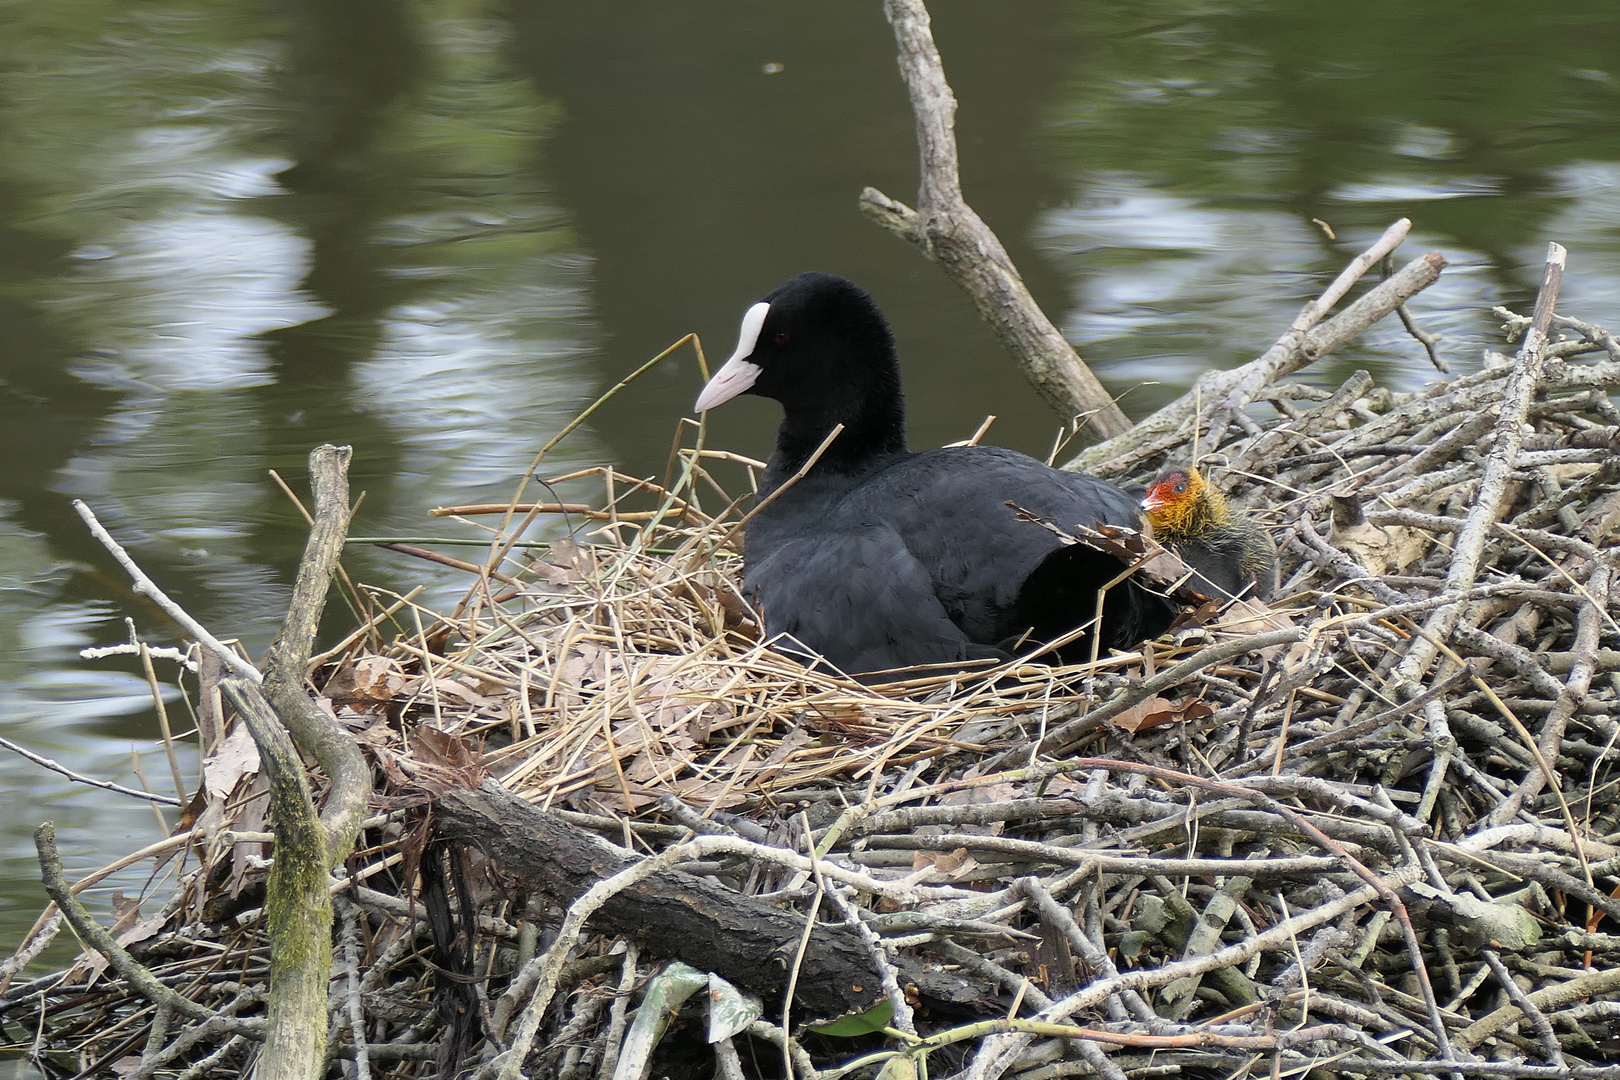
366 682
954 865
438 748
1382 549
1147 713
380 733
234 757
1158 711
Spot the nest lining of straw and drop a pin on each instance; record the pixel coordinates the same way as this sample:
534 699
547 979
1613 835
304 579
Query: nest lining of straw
1207 853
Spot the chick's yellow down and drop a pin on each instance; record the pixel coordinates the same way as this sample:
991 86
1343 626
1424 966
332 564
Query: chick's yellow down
1230 556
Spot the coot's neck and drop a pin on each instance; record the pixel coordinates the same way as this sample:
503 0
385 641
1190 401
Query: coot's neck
871 408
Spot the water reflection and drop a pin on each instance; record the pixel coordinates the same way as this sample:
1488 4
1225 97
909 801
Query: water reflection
1166 287
1589 192
278 234
1202 140
180 300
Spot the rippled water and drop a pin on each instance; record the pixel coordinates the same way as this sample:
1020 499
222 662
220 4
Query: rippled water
229 233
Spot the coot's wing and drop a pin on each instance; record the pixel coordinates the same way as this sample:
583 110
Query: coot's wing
950 506
857 597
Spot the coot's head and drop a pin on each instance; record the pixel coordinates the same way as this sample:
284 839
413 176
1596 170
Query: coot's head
820 346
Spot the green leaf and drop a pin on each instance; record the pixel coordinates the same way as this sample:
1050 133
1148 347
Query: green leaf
872 1020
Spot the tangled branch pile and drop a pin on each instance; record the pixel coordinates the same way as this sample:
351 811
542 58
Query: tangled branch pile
1371 831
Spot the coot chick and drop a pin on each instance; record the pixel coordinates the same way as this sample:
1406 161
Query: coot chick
879 558
1189 516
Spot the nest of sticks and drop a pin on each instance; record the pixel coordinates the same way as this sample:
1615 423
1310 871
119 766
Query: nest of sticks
1372 829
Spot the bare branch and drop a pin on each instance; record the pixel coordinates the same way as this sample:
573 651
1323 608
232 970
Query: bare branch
948 231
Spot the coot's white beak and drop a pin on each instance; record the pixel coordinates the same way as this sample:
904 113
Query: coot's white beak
736 376
738 373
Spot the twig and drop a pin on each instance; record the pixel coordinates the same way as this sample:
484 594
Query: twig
1538 1020
1072 731
80 778
163 723
1508 436
1422 337
351 977
145 586
93 934
543 970
902 1016
620 1009
1271 363
798 953
1596 985
997 1051
1096 958
1171 426
161 652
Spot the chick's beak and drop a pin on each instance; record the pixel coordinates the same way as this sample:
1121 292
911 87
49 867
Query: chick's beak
1152 500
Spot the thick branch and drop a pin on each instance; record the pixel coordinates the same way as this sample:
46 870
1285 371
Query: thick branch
746 940
298 900
947 230
288 658
298 903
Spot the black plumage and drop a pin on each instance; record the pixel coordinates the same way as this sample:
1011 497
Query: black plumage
880 558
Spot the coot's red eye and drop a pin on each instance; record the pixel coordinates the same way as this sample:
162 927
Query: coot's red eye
781 339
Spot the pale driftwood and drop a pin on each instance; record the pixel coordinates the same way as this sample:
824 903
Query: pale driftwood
1172 425
950 233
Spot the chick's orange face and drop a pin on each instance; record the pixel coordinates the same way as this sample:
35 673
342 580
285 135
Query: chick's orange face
1169 490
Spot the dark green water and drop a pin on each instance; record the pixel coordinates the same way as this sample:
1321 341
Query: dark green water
229 232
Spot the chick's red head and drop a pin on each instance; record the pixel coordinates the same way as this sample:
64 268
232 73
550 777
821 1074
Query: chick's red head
1176 488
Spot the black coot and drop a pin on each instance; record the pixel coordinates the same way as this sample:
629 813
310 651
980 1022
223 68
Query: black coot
880 558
